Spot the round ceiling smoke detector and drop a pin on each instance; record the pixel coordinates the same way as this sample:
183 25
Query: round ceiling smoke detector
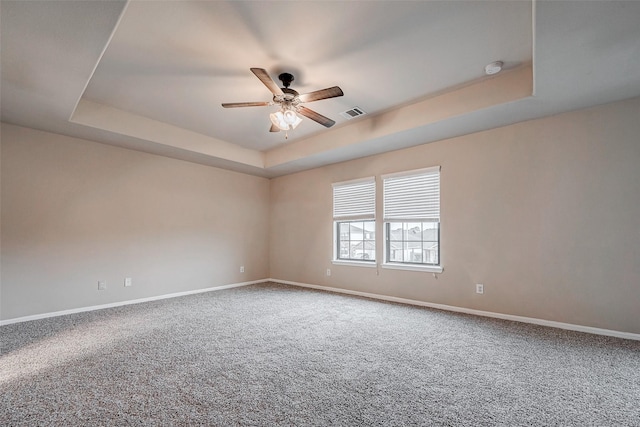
493 68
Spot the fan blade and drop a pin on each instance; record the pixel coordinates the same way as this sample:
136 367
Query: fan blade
245 104
268 82
317 117
274 128
330 92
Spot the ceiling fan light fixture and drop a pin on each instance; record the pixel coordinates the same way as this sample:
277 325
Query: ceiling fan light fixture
296 122
277 119
290 117
286 120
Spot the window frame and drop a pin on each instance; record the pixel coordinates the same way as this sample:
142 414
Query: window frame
360 208
391 216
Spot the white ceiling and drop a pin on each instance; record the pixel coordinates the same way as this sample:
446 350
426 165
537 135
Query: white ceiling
151 75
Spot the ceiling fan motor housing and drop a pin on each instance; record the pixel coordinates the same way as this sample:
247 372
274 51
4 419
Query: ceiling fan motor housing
286 79
290 97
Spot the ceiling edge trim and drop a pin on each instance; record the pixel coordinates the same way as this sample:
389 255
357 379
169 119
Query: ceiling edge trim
93 114
513 85
95 66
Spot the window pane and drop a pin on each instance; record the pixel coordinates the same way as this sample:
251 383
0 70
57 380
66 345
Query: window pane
395 252
395 231
412 242
356 250
430 232
356 240
412 251
359 251
344 249
357 231
369 230
431 253
369 250
412 230
344 229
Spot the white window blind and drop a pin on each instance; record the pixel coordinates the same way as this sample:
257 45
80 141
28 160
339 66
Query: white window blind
354 199
413 195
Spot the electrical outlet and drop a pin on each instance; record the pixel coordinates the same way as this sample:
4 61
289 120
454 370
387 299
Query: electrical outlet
128 281
242 269
479 288
328 272
102 285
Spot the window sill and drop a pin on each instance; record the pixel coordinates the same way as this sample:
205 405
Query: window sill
371 264
411 267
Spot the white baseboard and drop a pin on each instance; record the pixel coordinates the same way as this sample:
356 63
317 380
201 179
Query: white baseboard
121 303
541 322
532 320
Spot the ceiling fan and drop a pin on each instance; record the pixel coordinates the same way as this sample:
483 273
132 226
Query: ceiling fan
290 102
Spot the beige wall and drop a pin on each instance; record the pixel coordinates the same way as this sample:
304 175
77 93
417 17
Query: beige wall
75 212
546 214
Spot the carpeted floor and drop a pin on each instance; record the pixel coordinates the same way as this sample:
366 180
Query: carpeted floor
271 354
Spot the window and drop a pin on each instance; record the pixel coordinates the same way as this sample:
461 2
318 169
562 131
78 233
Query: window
354 209
412 242
412 218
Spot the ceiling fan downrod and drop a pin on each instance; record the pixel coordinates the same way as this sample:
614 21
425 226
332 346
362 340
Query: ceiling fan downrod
286 79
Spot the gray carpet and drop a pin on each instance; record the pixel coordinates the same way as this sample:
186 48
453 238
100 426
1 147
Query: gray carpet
271 354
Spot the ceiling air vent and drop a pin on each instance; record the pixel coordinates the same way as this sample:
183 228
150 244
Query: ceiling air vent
352 113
